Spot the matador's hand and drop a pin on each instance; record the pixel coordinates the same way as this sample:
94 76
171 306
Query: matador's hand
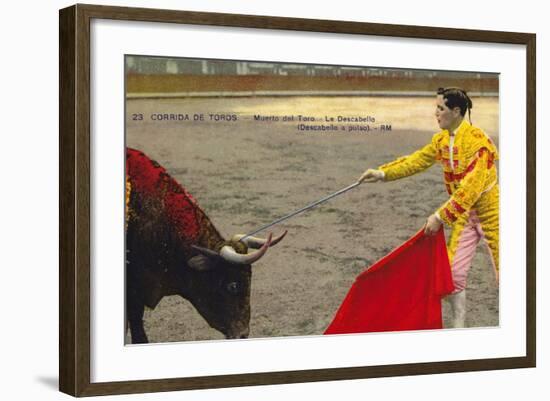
371 175
433 224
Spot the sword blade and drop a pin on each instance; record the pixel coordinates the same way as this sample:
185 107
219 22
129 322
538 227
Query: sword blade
304 209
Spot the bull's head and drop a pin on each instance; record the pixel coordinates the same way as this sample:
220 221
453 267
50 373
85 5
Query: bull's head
221 292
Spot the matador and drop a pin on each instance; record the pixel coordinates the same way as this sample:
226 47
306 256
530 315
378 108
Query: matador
467 156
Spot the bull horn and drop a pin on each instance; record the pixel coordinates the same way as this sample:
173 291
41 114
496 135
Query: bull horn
255 242
230 255
205 251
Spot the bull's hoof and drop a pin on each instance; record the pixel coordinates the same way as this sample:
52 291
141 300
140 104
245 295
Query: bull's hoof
140 340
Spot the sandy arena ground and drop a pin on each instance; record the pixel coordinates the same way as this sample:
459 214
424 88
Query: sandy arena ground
246 173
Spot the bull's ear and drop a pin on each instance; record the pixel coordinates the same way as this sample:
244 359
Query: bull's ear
200 263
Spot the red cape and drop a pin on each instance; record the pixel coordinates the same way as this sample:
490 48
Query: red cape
402 291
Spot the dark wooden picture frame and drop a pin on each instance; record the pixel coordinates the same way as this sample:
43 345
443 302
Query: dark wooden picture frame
74 204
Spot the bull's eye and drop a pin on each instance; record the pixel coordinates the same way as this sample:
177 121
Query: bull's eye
233 287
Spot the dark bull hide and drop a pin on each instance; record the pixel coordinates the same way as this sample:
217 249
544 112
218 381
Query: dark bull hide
172 248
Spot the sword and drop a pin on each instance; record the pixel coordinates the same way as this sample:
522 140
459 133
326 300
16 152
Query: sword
304 209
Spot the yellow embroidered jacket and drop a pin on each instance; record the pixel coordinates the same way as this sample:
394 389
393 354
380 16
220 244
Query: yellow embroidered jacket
468 161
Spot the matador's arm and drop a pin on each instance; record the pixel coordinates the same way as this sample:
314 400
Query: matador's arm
409 165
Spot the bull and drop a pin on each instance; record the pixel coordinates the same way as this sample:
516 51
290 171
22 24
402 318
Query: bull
172 248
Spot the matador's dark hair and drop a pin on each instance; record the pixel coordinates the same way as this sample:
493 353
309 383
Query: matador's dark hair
457 97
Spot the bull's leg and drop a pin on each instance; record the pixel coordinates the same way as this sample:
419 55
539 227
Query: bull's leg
135 310
137 330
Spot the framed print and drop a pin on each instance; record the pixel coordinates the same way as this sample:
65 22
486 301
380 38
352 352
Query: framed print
252 200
